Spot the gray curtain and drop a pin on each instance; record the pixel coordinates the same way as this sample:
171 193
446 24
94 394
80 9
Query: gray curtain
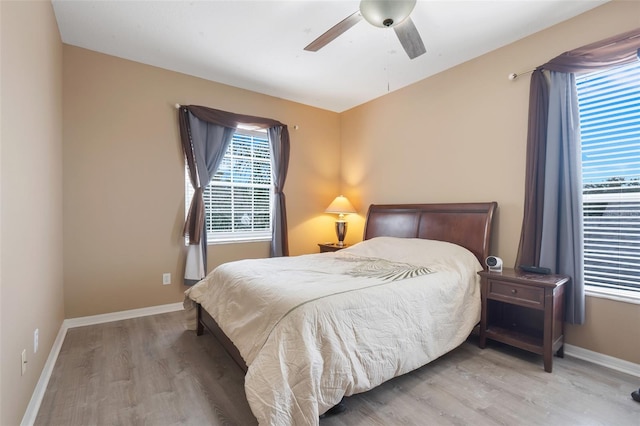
209 143
544 224
562 235
205 134
531 235
280 158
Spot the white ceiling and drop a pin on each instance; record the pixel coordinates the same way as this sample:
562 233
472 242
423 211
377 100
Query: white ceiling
258 45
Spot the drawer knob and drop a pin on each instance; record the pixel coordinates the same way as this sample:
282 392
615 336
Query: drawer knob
514 291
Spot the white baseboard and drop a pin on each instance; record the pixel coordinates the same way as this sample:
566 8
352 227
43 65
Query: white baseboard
122 315
602 359
38 393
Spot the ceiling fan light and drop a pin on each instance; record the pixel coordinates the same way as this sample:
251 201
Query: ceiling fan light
386 13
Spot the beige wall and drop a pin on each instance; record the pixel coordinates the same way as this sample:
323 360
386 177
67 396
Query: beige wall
115 135
461 136
31 197
124 174
610 328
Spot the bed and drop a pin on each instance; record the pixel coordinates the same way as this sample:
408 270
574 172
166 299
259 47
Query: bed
309 330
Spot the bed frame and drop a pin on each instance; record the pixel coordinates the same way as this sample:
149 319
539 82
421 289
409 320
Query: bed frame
465 224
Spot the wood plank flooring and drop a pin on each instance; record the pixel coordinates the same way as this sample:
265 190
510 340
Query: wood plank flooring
153 371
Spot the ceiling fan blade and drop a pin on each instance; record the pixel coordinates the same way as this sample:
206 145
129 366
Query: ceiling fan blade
410 38
334 32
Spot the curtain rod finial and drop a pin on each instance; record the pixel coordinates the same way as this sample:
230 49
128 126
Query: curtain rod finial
178 106
515 76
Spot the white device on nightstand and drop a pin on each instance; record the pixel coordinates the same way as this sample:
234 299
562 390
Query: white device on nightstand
494 263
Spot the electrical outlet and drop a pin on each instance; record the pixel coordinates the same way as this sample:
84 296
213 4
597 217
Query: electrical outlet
35 341
166 278
24 362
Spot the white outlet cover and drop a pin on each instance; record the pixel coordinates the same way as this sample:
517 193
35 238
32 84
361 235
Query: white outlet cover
166 278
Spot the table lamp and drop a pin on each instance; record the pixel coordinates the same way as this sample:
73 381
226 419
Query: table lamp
340 206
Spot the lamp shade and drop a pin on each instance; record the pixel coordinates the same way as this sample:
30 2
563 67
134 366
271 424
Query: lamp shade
386 13
340 205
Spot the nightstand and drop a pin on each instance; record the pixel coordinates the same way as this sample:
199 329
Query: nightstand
524 310
327 247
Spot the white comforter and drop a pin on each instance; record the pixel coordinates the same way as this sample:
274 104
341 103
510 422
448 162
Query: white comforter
318 327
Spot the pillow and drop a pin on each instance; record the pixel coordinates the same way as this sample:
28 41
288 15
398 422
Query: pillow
416 251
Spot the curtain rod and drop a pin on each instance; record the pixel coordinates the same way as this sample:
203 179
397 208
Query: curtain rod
295 126
514 75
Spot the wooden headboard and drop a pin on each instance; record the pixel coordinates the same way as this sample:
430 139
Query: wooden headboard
465 224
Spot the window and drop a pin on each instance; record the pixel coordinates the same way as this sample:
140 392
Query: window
609 105
238 198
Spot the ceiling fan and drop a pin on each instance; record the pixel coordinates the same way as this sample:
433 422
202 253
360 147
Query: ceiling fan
380 13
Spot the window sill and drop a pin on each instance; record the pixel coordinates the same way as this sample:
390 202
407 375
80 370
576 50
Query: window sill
238 240
617 295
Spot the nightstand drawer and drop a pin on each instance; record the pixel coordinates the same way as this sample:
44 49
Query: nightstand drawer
532 297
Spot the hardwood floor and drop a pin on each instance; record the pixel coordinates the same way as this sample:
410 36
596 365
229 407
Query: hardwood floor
148 370
153 371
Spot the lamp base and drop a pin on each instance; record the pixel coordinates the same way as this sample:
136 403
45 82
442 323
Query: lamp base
341 231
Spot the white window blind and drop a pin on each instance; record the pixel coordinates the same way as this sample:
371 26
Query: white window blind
609 104
238 198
